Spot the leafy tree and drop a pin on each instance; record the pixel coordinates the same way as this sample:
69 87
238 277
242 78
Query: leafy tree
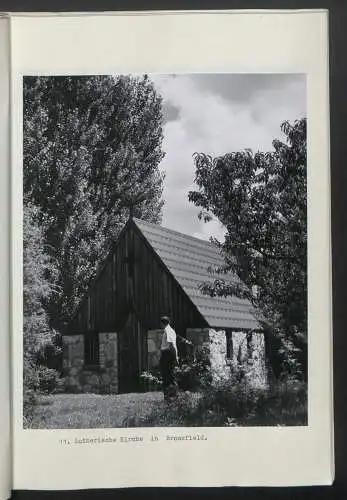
260 198
39 276
92 147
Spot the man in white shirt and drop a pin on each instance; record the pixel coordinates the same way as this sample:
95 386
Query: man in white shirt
168 358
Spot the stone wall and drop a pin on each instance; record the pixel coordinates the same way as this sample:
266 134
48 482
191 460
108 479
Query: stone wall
248 358
73 360
215 342
153 345
108 363
102 379
220 367
252 363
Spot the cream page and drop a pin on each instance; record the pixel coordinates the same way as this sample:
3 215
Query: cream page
223 42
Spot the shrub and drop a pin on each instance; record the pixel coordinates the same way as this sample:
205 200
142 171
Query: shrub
150 381
195 374
235 404
174 413
187 377
228 400
29 402
48 379
191 373
37 379
30 385
284 403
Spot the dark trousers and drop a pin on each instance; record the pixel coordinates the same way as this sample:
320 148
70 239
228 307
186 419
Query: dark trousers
167 366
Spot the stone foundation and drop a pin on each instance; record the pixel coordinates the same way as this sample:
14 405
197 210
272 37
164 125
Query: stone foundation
73 360
102 379
250 356
108 363
220 366
153 345
247 359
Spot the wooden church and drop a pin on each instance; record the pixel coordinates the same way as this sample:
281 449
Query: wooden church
152 271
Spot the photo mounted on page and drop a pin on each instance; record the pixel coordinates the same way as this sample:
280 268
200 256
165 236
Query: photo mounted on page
165 251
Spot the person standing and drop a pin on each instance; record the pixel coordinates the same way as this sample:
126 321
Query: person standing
168 358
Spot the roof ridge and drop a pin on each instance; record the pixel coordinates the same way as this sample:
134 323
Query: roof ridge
174 231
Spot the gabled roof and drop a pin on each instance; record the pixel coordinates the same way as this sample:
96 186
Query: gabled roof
188 260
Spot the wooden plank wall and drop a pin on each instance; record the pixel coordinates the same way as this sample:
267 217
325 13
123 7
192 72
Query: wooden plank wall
150 287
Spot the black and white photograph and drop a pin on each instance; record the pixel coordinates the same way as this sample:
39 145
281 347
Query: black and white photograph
165 251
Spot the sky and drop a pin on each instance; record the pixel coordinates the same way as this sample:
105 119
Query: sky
217 114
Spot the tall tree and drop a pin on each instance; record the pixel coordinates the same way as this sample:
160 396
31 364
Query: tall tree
92 146
260 198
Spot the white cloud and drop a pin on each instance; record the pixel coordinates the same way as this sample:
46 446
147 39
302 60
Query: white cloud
209 122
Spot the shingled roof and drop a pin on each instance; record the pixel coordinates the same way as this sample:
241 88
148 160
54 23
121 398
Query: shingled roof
188 260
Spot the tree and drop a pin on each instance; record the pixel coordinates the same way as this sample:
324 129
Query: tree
39 276
260 198
92 146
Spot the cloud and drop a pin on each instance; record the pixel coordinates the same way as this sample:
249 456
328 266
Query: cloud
244 87
216 114
170 112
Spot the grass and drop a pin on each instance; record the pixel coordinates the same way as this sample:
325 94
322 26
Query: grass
88 411
230 405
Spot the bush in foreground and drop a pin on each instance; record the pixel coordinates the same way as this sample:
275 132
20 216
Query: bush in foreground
38 380
230 404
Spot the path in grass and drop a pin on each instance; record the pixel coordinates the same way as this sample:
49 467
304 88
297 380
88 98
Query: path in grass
85 411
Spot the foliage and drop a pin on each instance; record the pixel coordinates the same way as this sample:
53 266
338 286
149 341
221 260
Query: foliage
48 379
179 411
194 374
150 381
39 275
234 403
29 403
260 198
240 404
92 146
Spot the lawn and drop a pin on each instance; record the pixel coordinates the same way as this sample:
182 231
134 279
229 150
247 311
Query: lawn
86 411
235 405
